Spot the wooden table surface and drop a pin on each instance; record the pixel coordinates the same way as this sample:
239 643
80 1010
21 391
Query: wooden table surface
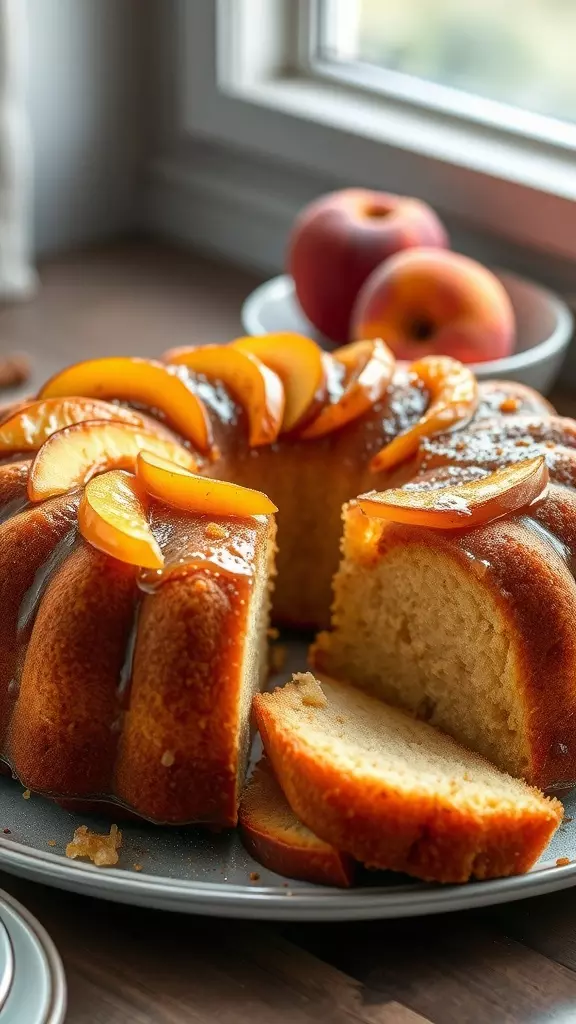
515 963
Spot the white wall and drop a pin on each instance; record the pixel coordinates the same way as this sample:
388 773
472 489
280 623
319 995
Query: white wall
87 97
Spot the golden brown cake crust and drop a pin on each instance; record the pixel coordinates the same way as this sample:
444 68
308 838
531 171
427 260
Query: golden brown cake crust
66 721
524 563
179 751
13 481
335 465
27 541
536 593
430 836
274 836
172 746
179 748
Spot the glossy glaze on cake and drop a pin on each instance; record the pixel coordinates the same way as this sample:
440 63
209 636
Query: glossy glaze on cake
521 566
125 684
330 470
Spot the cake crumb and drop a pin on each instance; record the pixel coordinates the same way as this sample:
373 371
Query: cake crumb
7 831
510 404
51 842
310 691
137 867
254 876
26 794
272 633
216 531
561 862
167 759
102 850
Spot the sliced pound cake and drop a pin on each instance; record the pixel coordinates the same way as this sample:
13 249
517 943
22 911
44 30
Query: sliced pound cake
394 792
273 834
474 631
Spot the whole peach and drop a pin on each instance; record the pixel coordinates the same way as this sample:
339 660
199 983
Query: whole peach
339 239
432 302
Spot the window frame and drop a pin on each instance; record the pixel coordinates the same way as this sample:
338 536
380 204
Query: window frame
427 95
249 77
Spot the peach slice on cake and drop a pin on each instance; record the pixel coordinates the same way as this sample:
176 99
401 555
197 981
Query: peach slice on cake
462 506
368 368
9 409
256 387
453 391
69 458
28 428
143 381
113 518
176 486
298 362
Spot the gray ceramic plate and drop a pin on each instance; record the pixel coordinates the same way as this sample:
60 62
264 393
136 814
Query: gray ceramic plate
544 327
6 965
197 872
37 992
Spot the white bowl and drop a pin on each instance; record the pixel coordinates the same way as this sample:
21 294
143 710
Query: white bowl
544 326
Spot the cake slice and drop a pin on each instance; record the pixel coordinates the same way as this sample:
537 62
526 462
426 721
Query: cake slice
473 630
394 792
276 838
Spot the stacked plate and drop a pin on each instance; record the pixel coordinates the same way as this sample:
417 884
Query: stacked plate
32 984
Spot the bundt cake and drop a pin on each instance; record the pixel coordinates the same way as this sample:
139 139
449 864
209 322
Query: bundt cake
134 603
395 793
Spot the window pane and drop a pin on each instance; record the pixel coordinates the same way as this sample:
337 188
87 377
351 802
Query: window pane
520 52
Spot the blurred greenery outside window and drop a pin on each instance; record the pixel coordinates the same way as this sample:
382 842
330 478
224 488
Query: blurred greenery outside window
516 52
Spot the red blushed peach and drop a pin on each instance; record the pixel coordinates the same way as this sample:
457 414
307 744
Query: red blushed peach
429 302
339 239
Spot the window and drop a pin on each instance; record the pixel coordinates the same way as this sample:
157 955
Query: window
516 53
469 104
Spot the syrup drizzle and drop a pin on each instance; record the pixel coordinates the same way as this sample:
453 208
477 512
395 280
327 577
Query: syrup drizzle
185 547
550 539
125 678
33 596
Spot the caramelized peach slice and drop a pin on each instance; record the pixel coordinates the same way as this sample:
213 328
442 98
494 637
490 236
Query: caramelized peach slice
143 381
461 506
175 486
9 409
298 362
368 369
28 428
453 391
72 456
256 387
113 518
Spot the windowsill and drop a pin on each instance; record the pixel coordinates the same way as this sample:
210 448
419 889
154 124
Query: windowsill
523 191
541 166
